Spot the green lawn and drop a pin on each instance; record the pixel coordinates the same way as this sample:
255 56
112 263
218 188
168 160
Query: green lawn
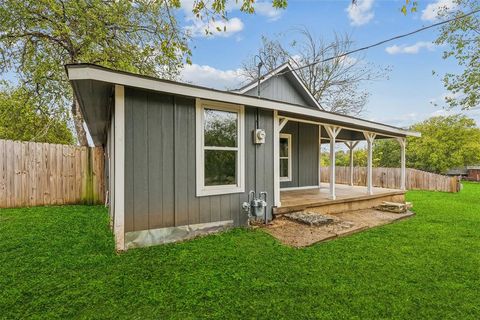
59 262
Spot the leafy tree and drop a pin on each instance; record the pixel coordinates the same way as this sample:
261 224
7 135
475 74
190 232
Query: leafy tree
342 158
21 120
336 84
446 142
37 37
462 38
386 153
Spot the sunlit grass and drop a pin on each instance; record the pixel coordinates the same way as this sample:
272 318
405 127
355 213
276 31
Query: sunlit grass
60 262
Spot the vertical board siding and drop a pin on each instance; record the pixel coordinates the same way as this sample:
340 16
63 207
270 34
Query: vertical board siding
140 158
307 155
155 175
280 89
160 169
37 174
390 178
182 178
304 154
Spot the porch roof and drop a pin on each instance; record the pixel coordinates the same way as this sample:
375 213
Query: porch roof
93 86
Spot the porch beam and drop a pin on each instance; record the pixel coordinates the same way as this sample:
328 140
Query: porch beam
370 137
282 124
276 159
319 156
351 145
331 125
403 167
332 132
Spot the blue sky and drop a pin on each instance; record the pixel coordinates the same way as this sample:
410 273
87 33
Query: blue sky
402 100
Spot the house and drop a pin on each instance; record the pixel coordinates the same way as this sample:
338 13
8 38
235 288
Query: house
470 173
182 159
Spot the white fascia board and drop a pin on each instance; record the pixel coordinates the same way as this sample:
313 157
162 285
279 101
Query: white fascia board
176 88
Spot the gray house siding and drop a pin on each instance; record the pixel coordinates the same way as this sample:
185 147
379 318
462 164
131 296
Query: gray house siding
304 154
160 188
280 89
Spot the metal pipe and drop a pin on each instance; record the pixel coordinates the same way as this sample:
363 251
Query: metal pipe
264 193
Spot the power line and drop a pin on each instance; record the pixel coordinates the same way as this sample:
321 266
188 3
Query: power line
382 42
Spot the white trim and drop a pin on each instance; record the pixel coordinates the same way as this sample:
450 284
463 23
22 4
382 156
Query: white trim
403 169
332 132
87 72
276 71
319 155
287 136
201 189
351 145
299 188
119 158
276 159
282 124
370 137
327 124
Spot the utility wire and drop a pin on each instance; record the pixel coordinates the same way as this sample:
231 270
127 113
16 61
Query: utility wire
382 42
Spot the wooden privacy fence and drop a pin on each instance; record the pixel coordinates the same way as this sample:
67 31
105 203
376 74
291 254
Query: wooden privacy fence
390 178
35 174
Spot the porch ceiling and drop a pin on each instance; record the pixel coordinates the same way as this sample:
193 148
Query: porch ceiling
349 132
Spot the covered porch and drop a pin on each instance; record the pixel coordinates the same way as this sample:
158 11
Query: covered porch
347 197
307 190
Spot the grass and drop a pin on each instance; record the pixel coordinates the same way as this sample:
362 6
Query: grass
59 262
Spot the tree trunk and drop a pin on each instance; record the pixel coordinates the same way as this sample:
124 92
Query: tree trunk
78 121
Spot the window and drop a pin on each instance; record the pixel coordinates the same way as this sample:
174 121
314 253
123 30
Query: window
220 148
285 157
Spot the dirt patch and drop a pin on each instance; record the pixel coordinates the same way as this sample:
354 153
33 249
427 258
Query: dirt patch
297 234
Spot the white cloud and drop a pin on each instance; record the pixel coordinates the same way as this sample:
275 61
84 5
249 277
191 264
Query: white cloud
215 28
197 27
267 10
402 120
412 49
474 114
361 12
407 119
430 13
208 76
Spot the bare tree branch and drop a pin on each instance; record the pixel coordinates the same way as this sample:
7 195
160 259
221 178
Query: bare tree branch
336 84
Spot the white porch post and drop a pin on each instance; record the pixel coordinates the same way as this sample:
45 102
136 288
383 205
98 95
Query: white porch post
403 170
370 137
119 165
276 158
332 134
319 156
351 145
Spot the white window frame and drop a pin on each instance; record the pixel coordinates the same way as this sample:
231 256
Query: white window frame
289 157
202 189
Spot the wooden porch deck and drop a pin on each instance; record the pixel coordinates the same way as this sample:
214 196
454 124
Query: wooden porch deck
348 198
